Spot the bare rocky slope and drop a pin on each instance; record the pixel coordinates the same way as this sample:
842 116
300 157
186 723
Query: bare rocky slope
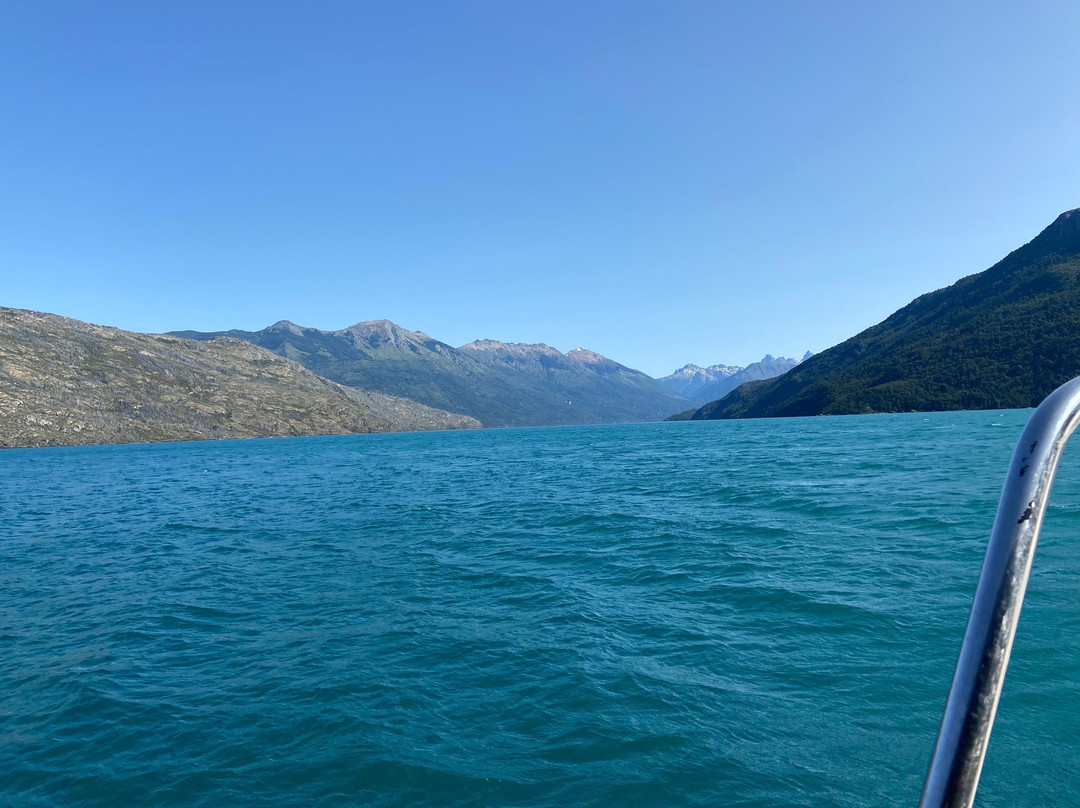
66 382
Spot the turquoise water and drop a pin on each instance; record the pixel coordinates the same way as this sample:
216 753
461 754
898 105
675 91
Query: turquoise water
760 613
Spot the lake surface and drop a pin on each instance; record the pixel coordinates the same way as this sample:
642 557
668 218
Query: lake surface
750 613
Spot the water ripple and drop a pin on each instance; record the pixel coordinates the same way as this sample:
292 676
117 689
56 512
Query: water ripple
748 613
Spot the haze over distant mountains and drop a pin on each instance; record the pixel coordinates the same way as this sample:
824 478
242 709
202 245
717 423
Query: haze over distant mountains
1003 338
498 383
689 379
708 384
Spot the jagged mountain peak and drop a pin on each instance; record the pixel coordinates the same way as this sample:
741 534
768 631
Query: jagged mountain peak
691 378
690 369
769 359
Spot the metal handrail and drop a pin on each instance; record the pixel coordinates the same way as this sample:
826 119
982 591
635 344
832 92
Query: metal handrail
976 686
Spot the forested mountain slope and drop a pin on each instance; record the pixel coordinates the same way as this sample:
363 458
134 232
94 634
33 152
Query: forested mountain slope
1003 338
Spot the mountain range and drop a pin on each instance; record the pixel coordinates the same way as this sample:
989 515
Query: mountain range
66 382
1002 338
708 384
767 368
498 383
689 379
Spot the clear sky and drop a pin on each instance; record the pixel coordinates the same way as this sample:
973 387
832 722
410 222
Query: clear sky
663 182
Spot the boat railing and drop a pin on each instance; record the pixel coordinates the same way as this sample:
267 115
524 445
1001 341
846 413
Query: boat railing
976 686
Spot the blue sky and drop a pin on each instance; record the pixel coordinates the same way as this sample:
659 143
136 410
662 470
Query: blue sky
663 182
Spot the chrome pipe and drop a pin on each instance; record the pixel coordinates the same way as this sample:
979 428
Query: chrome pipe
976 686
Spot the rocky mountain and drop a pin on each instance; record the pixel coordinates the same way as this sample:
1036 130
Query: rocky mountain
702 385
1005 337
769 367
498 383
580 386
65 382
689 379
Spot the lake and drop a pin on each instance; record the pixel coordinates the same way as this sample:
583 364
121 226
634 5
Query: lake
742 613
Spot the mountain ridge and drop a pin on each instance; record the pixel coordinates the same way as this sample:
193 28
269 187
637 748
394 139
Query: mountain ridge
702 385
67 382
1001 338
498 383
767 367
691 378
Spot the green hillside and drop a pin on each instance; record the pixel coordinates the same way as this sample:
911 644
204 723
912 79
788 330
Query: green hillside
1002 338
